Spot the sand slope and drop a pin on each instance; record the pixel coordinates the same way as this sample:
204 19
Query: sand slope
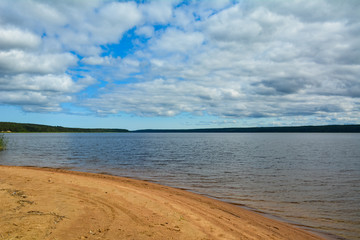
57 204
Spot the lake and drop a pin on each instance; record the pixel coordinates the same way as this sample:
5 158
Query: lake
309 179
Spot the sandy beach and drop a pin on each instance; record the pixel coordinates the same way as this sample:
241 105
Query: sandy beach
42 203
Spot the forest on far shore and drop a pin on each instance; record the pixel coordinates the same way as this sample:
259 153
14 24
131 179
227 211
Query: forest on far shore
28 127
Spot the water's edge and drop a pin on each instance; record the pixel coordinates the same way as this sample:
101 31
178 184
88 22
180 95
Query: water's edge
325 235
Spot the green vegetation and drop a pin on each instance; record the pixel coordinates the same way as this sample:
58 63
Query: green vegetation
3 142
27 127
309 129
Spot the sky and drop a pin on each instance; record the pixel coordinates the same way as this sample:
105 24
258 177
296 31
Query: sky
180 64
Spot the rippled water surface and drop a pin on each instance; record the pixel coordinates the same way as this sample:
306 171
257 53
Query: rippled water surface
308 179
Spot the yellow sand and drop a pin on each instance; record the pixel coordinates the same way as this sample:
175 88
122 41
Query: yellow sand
58 204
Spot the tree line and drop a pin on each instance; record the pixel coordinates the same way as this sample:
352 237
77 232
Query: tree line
28 127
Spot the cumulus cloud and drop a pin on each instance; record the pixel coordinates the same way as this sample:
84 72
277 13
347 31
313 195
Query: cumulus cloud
82 26
174 40
34 101
12 37
41 42
248 60
167 98
17 61
147 31
52 83
278 60
40 92
104 61
157 11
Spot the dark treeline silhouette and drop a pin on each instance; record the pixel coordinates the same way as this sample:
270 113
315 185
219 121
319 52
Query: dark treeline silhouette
27 127
314 129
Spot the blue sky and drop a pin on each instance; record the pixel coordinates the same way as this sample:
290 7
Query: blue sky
176 64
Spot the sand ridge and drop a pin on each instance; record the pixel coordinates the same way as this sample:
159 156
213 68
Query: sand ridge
41 203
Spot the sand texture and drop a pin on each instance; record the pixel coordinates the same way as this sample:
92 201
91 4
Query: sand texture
58 204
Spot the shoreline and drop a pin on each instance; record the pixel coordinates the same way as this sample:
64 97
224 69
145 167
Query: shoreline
54 203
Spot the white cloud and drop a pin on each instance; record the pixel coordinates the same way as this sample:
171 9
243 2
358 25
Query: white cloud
147 31
17 61
104 61
275 59
11 37
54 83
36 38
243 62
34 101
113 20
231 25
158 12
173 41
167 98
80 26
40 92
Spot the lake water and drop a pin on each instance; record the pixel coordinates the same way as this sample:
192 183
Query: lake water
309 179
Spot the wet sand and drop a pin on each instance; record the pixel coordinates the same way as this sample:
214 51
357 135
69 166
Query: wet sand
43 203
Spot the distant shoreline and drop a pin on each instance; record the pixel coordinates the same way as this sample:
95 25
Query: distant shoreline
294 129
11 127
